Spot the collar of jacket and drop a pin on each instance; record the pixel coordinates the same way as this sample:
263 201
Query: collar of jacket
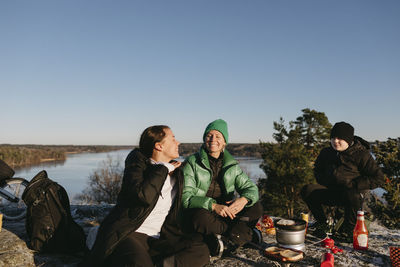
358 145
228 159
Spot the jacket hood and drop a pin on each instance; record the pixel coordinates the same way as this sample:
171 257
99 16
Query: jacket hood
358 145
362 142
136 155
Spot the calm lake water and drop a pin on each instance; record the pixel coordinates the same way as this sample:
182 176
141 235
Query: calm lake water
73 173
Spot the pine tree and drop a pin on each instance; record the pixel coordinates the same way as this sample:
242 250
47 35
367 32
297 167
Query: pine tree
314 129
387 210
288 162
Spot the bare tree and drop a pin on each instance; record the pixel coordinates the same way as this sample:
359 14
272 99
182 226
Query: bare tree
104 183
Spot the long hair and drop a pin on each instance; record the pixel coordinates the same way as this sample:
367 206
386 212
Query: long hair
150 136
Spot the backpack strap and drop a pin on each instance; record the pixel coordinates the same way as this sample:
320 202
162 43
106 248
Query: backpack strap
57 200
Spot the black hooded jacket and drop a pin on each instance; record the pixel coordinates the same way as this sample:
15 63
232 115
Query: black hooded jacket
353 168
141 187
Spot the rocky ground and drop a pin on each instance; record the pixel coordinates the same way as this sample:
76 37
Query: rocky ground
14 252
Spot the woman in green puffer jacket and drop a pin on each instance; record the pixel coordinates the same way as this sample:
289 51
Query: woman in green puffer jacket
212 179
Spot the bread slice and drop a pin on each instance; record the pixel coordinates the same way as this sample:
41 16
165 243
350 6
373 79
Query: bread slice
291 255
273 250
284 254
273 253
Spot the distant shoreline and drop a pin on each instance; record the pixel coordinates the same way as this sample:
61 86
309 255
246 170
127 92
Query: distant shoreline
18 156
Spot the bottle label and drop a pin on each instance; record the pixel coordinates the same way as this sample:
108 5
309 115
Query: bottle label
362 240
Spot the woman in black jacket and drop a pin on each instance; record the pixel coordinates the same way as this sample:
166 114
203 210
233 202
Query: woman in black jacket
343 171
143 228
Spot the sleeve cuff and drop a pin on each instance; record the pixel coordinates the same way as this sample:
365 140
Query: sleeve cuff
212 201
249 202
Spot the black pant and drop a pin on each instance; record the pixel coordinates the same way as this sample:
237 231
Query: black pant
207 222
137 250
316 195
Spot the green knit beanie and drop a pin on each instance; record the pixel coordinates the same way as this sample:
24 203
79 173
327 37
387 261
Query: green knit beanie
220 126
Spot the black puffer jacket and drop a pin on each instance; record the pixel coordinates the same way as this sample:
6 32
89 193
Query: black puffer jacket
141 187
352 168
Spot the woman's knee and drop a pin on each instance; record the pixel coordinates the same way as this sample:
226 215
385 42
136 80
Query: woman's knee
258 207
255 211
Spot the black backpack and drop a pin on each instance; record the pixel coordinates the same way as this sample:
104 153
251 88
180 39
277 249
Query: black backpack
5 171
49 224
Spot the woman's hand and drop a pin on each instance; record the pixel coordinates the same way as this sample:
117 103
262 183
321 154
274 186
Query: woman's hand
237 205
172 165
223 210
176 163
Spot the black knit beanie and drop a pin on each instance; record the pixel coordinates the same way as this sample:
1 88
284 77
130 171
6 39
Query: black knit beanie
343 130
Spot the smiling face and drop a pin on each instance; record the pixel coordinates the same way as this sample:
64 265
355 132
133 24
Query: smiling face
214 143
339 144
169 146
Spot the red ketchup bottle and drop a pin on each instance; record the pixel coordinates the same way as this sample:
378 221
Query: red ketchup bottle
360 233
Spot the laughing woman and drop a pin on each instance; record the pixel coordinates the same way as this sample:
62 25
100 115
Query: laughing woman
143 229
212 179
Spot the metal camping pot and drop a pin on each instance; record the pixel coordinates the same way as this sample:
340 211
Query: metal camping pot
290 237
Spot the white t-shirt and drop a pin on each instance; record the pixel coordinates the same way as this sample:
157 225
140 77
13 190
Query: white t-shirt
153 223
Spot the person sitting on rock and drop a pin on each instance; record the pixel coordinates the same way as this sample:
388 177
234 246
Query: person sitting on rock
343 171
212 178
143 228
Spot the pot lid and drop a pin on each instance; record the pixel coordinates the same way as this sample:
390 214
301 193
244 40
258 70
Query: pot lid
292 224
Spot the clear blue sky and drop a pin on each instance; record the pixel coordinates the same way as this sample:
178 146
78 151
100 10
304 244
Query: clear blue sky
99 72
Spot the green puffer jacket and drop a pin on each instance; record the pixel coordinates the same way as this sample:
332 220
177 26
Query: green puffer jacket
197 180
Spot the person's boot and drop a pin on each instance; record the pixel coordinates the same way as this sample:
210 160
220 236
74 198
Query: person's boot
240 234
257 236
215 245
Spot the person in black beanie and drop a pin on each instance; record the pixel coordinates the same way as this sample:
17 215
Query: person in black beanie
343 171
